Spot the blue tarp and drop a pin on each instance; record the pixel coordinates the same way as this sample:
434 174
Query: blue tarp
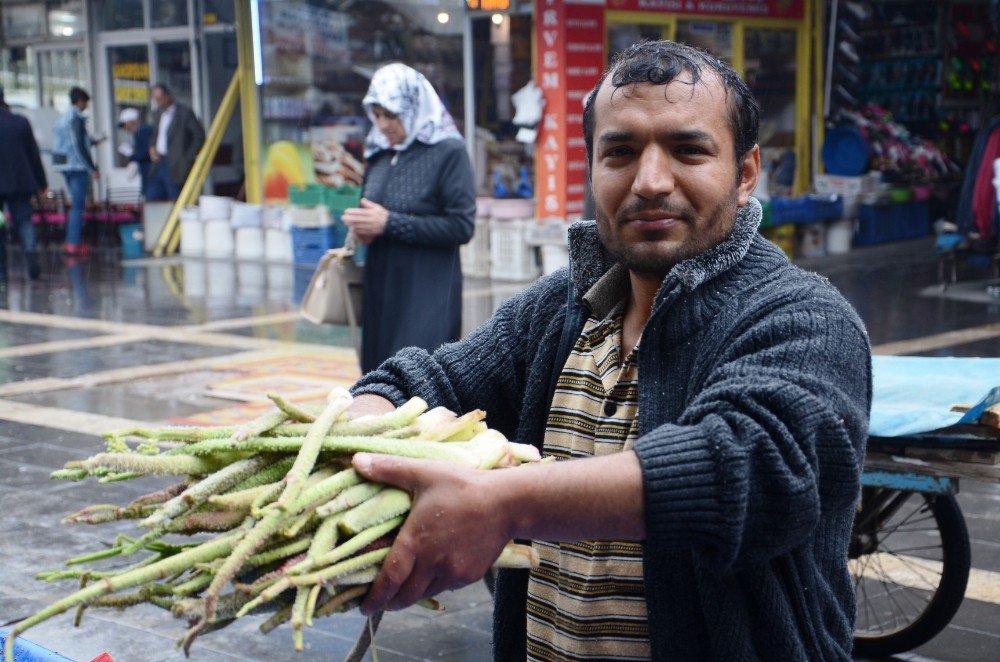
913 394
25 651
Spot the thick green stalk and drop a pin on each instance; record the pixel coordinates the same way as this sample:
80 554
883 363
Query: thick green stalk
340 601
164 465
350 566
198 493
385 505
160 570
291 411
267 476
324 538
258 426
299 616
348 547
372 425
349 498
237 500
311 603
338 401
319 493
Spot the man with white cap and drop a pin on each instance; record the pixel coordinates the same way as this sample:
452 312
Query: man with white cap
137 153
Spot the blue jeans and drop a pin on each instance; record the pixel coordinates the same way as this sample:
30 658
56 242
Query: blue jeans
19 206
158 184
78 182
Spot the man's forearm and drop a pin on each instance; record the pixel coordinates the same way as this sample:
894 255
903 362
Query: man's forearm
597 498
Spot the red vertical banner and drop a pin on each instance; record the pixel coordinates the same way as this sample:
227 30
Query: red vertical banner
550 155
584 64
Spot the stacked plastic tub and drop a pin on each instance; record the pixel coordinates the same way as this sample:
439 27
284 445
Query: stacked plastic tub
314 219
511 256
215 212
475 255
247 221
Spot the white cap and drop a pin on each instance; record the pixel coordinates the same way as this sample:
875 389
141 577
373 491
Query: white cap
128 115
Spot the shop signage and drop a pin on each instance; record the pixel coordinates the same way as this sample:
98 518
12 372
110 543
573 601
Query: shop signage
751 8
131 83
570 47
488 5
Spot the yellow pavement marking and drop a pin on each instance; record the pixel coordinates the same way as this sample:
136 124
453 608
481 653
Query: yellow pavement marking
66 345
939 340
241 322
62 419
912 572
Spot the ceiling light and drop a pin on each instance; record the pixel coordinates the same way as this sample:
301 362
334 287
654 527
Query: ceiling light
443 17
497 19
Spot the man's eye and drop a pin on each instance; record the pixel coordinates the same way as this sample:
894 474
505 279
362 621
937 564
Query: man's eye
691 150
617 152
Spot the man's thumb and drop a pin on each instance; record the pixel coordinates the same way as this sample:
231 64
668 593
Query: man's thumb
384 468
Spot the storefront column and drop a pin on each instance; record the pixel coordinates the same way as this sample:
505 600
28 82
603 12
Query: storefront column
570 52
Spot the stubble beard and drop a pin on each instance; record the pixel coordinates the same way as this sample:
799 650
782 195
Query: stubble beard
658 257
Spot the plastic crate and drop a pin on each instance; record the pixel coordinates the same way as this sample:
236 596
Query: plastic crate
511 256
339 198
826 207
25 651
310 195
879 224
791 210
475 255
767 215
309 245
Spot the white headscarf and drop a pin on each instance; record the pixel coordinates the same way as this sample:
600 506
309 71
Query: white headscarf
404 91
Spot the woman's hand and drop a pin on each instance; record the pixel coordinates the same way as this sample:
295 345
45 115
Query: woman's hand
367 222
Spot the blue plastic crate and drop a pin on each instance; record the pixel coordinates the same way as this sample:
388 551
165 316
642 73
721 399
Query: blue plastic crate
875 225
826 207
791 210
25 651
310 244
912 219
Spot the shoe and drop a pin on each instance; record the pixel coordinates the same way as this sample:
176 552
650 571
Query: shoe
844 28
857 10
851 77
80 250
849 52
848 98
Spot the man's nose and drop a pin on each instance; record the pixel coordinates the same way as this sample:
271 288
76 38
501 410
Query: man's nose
654 175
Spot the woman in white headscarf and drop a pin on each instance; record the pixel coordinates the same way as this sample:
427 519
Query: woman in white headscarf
418 207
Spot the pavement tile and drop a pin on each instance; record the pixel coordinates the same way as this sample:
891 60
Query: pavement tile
13 334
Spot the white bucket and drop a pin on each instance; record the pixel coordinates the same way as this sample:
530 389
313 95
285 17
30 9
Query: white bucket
277 245
218 238
838 237
244 215
813 241
249 243
190 213
192 237
215 207
273 216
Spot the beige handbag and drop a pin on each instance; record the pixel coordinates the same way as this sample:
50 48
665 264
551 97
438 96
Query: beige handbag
335 292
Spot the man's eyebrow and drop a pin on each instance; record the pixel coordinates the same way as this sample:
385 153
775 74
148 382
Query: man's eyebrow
692 135
616 137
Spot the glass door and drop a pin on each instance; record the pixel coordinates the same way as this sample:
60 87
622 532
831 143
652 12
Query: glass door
128 68
60 70
173 68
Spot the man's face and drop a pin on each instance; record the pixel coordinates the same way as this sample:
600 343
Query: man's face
664 176
131 126
161 100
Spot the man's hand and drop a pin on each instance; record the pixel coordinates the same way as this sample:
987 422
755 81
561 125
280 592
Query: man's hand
455 530
154 156
96 174
368 404
367 222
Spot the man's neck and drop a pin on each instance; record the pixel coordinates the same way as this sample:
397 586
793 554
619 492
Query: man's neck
640 306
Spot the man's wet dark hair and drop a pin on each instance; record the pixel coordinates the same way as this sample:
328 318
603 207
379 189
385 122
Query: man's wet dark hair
78 94
659 63
162 87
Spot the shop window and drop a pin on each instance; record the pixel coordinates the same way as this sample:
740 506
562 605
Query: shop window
168 13
623 35
173 68
17 78
769 70
21 21
130 88
65 18
716 37
61 70
120 15
218 11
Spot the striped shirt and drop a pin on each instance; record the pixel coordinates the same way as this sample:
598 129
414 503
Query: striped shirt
586 599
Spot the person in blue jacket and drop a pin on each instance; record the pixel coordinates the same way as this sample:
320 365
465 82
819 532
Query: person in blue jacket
71 155
130 119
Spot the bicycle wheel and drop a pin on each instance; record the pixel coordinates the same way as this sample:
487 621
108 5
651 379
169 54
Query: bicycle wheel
910 564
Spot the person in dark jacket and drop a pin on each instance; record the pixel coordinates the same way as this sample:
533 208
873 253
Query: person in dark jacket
130 119
418 207
177 139
707 401
21 176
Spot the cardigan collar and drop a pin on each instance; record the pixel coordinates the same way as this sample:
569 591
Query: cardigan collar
589 260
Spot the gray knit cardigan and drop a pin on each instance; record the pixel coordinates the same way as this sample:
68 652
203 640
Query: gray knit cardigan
754 395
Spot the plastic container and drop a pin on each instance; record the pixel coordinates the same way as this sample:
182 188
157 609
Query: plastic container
218 238
511 256
309 245
475 255
339 198
277 245
132 240
791 210
826 207
812 240
312 217
192 237
249 243
25 651
879 224
845 151
215 207
273 216
310 195
838 237
245 215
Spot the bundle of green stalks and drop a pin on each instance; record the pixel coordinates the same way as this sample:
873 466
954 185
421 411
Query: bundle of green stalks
282 523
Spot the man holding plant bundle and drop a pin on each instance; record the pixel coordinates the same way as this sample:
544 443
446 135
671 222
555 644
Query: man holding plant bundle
707 402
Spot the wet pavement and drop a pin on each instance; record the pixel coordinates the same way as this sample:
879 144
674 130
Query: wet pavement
95 344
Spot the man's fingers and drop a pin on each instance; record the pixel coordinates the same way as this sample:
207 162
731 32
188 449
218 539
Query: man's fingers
395 570
413 589
398 471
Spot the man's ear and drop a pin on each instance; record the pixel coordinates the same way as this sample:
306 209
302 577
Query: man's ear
749 174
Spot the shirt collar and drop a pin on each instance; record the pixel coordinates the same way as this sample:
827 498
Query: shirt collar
609 292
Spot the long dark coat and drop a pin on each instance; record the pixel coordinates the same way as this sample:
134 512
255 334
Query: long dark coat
413 279
21 171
